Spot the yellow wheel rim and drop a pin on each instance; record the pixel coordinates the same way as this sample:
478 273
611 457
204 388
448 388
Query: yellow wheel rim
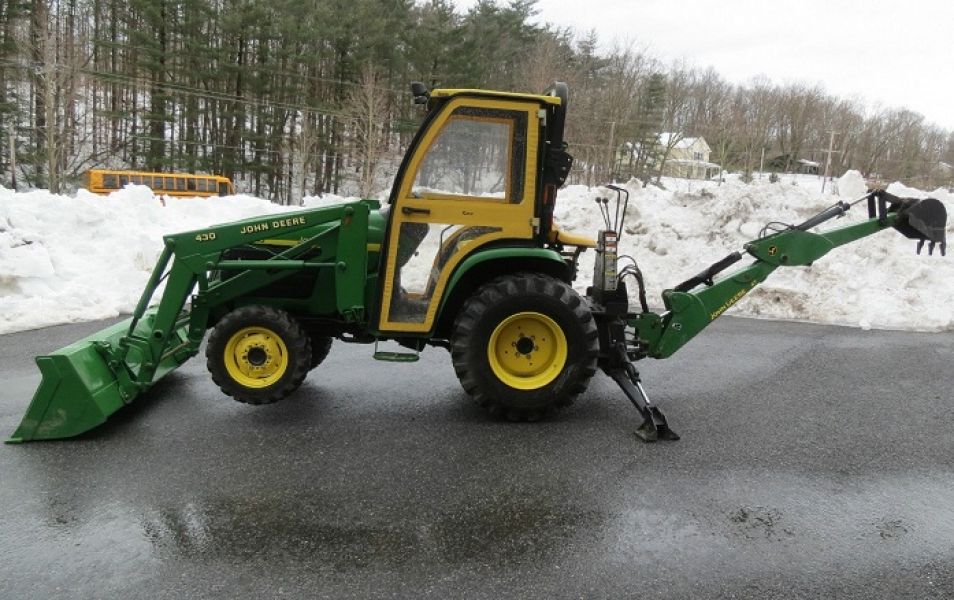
255 357
527 350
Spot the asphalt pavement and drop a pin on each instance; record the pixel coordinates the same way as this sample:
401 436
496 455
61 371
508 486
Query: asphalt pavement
815 462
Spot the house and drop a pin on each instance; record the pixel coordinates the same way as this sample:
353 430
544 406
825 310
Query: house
787 163
686 157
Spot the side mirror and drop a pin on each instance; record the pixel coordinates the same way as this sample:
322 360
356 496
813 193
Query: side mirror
420 93
562 91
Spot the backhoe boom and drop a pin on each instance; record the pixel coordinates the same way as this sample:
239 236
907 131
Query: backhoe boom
691 311
695 303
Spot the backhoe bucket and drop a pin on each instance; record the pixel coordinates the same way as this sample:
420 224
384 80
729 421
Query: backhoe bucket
923 220
82 385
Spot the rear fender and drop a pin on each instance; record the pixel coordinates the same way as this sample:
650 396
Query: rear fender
485 265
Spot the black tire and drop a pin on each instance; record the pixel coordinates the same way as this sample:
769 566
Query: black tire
252 337
508 299
320 347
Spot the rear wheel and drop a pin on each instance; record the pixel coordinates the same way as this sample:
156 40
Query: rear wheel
258 354
523 345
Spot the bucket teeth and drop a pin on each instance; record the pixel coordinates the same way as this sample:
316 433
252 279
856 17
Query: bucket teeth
931 245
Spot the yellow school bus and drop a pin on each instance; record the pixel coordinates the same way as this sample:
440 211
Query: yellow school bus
104 181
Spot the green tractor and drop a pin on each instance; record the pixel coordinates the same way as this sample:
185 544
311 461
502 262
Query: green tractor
464 256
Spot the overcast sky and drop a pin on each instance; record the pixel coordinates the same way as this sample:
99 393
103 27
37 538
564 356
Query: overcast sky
892 52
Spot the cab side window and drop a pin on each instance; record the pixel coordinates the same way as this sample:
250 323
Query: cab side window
479 152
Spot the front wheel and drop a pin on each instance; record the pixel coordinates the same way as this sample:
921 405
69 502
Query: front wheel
524 344
258 354
320 347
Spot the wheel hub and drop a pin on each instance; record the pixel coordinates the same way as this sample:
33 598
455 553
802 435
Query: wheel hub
527 350
256 357
524 345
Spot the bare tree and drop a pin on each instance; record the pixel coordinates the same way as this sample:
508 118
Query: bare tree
755 108
677 112
710 113
306 141
367 105
545 63
797 106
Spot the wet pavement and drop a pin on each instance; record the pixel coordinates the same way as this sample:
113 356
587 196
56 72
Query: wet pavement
816 462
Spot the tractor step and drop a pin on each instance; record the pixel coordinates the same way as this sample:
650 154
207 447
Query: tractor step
390 356
397 356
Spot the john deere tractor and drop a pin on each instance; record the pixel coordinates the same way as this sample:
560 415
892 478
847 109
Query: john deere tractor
465 255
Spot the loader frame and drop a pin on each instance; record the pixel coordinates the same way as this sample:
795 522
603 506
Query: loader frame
199 253
134 354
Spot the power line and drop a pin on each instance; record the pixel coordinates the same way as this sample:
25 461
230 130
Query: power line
221 96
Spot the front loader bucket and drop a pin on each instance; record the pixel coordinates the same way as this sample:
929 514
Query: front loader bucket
82 386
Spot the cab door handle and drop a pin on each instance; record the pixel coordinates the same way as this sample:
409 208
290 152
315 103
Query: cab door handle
410 210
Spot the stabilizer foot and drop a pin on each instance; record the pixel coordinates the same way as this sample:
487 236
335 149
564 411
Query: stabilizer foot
655 428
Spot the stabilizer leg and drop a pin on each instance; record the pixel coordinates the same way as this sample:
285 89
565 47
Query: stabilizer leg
615 362
654 427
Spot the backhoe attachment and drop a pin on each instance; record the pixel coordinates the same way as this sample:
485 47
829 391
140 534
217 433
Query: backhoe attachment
696 302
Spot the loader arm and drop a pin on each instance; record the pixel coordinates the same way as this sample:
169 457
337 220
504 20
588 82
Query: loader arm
86 382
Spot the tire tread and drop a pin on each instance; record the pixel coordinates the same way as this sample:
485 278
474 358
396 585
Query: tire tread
467 324
294 336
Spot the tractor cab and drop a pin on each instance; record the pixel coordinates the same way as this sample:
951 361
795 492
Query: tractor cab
475 176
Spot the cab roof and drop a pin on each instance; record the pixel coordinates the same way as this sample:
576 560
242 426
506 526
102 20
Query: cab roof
448 93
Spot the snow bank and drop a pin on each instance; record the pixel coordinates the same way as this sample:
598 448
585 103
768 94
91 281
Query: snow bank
66 259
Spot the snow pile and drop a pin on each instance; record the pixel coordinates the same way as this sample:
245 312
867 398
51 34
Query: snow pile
65 259
878 281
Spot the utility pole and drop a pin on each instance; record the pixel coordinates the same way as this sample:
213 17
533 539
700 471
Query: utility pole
611 149
13 161
831 146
